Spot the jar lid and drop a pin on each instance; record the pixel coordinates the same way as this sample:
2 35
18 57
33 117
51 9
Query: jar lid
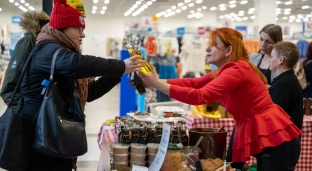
172 146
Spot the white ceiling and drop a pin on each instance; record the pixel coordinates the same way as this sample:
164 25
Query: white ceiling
120 7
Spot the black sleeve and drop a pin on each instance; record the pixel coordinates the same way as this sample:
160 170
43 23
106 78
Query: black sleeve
281 94
73 65
101 86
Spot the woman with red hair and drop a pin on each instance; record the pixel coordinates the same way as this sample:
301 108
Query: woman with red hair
263 129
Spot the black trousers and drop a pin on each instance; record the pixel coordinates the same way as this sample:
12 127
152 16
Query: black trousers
283 157
236 165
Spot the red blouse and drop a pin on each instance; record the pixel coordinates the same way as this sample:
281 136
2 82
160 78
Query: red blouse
259 122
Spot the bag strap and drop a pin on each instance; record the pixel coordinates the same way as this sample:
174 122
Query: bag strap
25 66
53 63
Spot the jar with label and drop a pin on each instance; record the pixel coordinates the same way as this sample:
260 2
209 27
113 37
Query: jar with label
172 160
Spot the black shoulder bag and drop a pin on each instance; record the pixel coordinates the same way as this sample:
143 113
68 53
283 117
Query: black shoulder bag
56 134
16 133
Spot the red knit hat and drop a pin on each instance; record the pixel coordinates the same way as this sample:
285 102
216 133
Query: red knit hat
64 16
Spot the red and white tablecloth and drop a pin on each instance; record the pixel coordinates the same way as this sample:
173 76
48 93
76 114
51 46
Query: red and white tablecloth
108 136
305 161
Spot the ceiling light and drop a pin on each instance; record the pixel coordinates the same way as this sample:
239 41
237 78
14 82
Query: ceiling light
106 1
16 3
250 12
184 8
104 8
102 12
94 7
243 2
174 7
284 18
165 15
241 11
222 8
241 14
153 0
290 21
95 1
276 18
134 6
305 19
149 3
199 9
213 8
305 7
192 12
138 2
232 2
191 4
221 17
27 4
288 2
278 9
286 12
22 1
292 17
252 17
277 12
187 1
189 16
222 5
232 5
169 10
93 11
278 2
251 9
298 20
178 10
204 7
245 18
12 1
199 1
180 4
0 9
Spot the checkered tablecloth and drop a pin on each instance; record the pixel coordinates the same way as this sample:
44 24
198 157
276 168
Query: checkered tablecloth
108 136
305 161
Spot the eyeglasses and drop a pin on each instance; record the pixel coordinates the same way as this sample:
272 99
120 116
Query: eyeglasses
79 29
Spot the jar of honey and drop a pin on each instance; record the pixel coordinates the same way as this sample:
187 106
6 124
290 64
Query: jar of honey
172 160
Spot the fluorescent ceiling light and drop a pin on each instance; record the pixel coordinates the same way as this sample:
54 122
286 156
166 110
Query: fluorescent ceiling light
106 1
243 2
191 4
199 9
222 5
174 7
222 8
178 10
284 18
12 1
180 4
278 2
245 18
232 2
149 3
184 8
104 8
102 12
288 2
27 4
213 8
16 3
93 11
204 7
189 16
252 17
232 5
187 1
138 2
305 7
199 1
94 7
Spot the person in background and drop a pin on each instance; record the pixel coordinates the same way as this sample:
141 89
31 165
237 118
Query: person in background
66 30
307 65
286 90
269 35
241 88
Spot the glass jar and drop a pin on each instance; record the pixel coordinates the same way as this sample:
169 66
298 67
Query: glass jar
187 151
172 160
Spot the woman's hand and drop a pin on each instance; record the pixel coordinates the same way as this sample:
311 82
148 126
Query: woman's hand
149 80
133 65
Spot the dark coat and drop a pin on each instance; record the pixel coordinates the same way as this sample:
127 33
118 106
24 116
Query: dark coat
69 66
286 92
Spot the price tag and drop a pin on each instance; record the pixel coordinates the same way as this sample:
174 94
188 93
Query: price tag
161 153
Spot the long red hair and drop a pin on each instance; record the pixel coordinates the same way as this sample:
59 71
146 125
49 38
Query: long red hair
231 37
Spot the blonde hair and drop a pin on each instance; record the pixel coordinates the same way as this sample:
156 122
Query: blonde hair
231 37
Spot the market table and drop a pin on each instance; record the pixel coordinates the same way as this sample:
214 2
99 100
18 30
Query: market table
107 136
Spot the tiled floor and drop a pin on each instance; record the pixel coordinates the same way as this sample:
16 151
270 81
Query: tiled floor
97 112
